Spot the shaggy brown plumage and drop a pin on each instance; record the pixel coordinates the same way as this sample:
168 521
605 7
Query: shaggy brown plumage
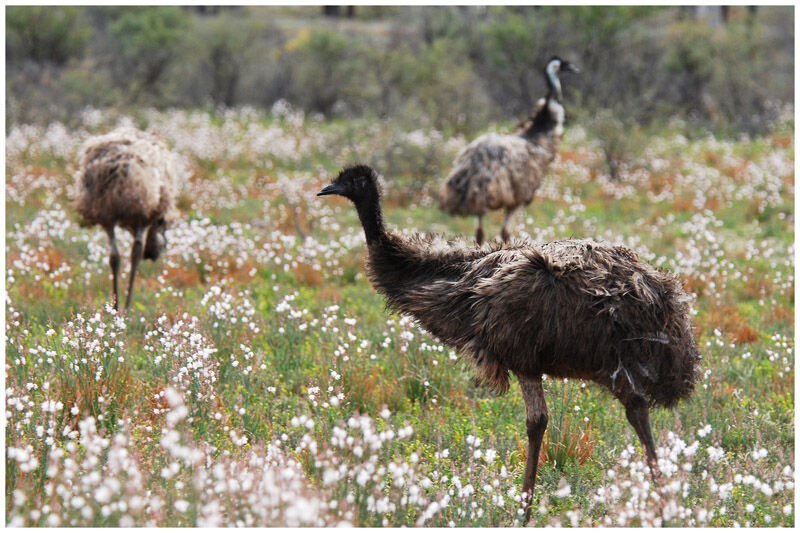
497 171
569 309
127 178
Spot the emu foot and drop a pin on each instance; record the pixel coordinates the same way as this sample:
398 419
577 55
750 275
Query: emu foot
527 498
655 472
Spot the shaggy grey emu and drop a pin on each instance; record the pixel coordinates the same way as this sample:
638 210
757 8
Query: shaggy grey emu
127 178
569 309
504 171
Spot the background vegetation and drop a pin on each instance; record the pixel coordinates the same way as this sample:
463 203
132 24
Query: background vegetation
453 67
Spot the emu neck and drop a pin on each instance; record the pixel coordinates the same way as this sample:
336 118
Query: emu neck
553 87
371 217
548 120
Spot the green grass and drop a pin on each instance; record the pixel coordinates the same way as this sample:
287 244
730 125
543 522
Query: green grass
265 348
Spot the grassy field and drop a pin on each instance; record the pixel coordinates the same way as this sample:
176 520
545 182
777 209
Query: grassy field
259 380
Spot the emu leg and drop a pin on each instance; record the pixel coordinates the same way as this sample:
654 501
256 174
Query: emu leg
638 414
536 415
479 231
113 261
505 233
136 257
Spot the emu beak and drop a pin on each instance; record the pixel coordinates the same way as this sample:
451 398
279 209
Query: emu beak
571 67
333 188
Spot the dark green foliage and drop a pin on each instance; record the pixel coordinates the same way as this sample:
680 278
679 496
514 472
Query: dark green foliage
225 48
83 87
597 25
428 85
148 30
392 68
446 90
514 51
620 138
147 40
328 70
226 42
45 34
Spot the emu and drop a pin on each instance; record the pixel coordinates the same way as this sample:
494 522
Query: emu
568 309
127 178
504 171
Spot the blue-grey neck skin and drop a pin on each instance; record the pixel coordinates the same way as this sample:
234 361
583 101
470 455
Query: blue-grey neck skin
553 81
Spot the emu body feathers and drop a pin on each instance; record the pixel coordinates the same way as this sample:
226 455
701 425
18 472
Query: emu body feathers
126 178
494 172
574 309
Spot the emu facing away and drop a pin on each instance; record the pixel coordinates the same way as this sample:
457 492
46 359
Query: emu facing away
504 171
127 178
569 309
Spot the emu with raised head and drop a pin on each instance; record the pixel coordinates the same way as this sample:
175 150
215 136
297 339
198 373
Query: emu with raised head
497 171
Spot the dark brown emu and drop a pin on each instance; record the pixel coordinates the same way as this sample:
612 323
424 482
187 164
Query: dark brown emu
569 309
497 171
127 178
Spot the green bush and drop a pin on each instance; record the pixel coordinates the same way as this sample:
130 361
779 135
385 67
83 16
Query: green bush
620 139
513 55
147 39
328 69
446 92
744 85
450 68
687 61
84 86
45 33
225 42
392 67
721 75
47 94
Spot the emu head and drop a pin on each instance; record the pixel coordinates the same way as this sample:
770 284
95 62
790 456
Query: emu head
156 239
357 183
554 66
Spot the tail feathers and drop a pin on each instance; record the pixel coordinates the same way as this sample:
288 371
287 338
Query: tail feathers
674 372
